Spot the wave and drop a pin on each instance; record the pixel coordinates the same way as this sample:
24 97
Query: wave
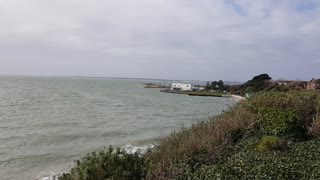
48 175
130 149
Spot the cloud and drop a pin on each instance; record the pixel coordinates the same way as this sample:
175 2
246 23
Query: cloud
175 39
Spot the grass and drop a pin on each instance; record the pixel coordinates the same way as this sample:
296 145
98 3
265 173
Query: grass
272 135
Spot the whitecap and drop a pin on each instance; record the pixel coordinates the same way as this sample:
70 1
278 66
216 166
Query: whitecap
48 176
130 149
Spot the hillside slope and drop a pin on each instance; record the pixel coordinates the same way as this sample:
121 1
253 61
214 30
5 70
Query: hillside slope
272 135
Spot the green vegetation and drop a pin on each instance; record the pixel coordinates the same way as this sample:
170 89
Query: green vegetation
269 143
263 82
272 135
108 164
217 86
258 83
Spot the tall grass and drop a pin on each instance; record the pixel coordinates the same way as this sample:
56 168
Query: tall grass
288 115
207 137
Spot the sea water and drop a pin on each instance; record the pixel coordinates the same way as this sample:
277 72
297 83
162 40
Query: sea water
48 122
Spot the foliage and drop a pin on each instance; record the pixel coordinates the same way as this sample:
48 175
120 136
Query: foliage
314 128
108 165
278 122
300 161
261 77
218 86
207 87
209 137
285 113
269 143
271 135
257 83
240 161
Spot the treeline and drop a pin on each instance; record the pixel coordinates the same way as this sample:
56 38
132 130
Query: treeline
217 86
264 82
257 83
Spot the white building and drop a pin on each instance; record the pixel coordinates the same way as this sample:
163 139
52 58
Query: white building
180 87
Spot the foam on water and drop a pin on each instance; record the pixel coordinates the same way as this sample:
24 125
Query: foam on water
137 149
48 175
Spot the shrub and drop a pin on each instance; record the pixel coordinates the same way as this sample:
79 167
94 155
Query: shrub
278 122
314 129
300 161
287 114
108 165
269 143
210 137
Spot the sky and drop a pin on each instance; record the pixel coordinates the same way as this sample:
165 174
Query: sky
232 40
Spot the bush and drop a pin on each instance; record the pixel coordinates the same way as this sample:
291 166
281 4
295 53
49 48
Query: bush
314 129
108 165
288 114
300 161
202 141
278 122
269 143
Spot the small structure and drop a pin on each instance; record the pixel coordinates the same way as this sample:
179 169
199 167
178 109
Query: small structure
181 87
314 84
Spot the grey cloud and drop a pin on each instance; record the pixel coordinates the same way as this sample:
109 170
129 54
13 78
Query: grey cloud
174 39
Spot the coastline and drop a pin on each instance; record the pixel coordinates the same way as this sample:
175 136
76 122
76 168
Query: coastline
192 93
237 97
207 94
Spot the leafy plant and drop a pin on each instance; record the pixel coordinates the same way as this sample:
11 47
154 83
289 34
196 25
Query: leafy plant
269 143
284 113
108 164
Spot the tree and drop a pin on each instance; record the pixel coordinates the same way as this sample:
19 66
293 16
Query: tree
261 77
220 85
257 83
208 86
214 85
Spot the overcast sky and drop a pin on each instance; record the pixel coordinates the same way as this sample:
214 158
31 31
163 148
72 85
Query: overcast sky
170 39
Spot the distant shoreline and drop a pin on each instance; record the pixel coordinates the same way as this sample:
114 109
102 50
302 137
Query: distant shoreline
237 97
192 93
207 94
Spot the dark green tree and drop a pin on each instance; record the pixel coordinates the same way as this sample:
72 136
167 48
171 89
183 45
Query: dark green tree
220 85
257 83
208 86
214 85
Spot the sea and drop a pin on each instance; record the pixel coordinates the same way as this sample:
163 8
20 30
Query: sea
48 122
